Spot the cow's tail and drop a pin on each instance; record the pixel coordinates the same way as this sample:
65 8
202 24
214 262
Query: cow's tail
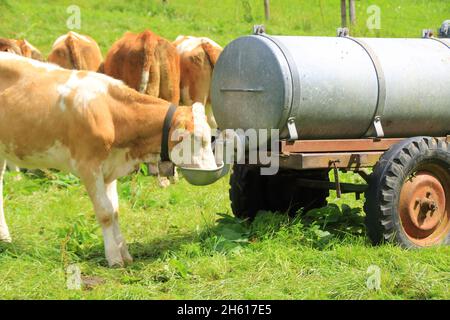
148 54
75 56
212 52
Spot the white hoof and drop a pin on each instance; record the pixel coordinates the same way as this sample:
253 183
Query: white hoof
126 257
114 258
6 239
116 262
164 182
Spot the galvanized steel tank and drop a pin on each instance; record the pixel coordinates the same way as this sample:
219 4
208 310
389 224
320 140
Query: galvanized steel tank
334 88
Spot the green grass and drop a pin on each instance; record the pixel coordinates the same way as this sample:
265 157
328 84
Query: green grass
184 240
41 22
187 245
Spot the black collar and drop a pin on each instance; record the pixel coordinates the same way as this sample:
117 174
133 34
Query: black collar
165 133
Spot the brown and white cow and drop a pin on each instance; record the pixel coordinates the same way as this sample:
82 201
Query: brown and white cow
147 63
93 126
198 56
21 47
76 51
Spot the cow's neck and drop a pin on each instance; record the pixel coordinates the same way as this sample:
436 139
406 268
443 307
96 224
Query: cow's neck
138 122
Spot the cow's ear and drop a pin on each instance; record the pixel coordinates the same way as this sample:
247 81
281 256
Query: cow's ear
212 52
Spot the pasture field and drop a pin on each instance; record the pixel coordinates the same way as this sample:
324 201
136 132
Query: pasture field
185 241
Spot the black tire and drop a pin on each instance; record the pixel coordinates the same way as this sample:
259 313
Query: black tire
251 192
283 195
246 191
385 206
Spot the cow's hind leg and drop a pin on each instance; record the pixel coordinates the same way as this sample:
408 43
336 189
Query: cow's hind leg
4 232
111 190
105 212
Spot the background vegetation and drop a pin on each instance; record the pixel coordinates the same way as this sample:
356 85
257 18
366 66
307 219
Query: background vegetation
184 239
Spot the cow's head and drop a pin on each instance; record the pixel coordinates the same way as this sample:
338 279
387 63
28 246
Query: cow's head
7 45
190 139
28 50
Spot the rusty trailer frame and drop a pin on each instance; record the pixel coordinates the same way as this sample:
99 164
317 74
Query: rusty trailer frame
347 154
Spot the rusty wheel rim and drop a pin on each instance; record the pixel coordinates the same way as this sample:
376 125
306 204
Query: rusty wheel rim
424 205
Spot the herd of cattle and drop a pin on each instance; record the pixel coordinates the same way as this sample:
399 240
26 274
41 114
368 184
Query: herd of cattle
179 71
99 119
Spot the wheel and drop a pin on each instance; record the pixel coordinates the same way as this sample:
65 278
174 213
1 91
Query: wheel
408 199
283 195
246 191
251 192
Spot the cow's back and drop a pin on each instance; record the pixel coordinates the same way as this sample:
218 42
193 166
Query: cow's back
49 114
75 51
146 63
125 60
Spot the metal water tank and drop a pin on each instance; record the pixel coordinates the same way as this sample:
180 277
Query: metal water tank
334 87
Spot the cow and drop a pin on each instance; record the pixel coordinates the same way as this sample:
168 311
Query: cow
95 127
21 47
147 63
198 56
29 51
76 51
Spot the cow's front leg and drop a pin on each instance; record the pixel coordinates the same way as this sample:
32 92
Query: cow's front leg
105 212
111 190
4 232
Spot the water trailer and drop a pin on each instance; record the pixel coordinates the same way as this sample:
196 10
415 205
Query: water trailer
344 104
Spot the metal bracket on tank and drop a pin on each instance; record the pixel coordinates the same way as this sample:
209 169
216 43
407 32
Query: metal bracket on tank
381 99
378 127
259 29
293 134
427 33
444 30
343 32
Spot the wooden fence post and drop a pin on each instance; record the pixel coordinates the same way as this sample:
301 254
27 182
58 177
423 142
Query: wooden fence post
267 9
352 12
321 11
343 13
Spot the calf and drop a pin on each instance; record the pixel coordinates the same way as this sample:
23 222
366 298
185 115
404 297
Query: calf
94 127
147 63
198 57
76 51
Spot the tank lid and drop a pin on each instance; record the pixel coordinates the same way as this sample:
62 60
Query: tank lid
251 85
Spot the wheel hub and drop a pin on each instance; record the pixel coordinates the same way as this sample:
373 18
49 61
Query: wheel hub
422 205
